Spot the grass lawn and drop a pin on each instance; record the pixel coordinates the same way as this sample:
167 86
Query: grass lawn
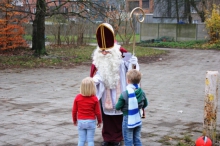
198 44
63 57
69 56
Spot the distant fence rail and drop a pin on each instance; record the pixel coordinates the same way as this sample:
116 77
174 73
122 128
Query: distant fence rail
179 32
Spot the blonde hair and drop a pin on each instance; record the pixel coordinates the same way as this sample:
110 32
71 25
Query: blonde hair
134 76
87 87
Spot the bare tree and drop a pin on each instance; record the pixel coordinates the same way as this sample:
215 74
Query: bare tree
182 9
202 6
170 9
57 23
118 17
86 9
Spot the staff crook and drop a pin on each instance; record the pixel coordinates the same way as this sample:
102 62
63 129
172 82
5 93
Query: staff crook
131 14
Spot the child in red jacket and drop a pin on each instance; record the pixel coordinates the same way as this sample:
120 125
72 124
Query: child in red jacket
85 111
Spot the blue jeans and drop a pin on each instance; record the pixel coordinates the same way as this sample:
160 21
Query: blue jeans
86 129
131 135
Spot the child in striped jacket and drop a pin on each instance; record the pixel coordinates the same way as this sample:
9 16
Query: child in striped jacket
130 103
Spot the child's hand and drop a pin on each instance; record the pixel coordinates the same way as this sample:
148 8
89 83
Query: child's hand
98 125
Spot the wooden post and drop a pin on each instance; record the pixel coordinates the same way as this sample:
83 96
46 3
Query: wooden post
211 104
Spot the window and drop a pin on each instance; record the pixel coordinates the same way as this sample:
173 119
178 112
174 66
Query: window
110 8
133 4
195 21
34 10
17 3
121 7
74 8
192 10
145 4
65 10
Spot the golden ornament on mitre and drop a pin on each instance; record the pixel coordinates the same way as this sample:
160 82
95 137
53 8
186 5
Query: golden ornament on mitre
105 36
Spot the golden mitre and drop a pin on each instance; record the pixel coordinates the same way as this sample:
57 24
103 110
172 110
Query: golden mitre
105 36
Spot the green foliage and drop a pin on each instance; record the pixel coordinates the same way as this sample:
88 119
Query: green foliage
58 18
213 23
180 144
177 141
186 141
27 37
144 52
199 44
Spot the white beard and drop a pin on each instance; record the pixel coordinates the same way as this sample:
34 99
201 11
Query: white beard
108 66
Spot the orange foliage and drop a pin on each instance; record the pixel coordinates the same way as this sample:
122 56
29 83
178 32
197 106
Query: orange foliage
11 30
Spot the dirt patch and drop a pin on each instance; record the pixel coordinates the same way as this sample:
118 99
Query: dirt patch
151 59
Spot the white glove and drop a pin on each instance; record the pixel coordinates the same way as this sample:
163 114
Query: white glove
133 61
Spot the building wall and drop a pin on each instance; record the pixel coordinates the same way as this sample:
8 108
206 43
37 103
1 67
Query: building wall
30 6
156 16
140 4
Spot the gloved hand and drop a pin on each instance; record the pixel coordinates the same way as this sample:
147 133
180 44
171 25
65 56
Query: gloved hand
133 61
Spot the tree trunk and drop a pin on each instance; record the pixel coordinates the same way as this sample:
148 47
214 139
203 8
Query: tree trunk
188 11
34 35
80 39
58 36
39 38
202 16
177 12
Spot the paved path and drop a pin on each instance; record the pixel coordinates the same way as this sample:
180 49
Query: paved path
36 104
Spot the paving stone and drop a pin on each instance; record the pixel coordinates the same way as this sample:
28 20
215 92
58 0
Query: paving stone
18 142
36 104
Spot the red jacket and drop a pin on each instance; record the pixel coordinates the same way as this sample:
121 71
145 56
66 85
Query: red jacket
86 108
